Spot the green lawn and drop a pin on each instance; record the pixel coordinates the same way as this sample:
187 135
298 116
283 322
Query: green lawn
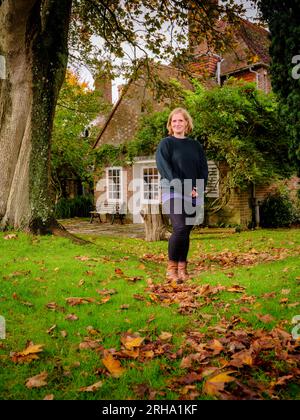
226 334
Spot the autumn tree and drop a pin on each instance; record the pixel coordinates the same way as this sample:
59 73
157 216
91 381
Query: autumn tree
36 37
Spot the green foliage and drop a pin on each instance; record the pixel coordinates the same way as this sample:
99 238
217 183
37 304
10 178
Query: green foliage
71 152
74 207
109 155
276 210
238 124
283 22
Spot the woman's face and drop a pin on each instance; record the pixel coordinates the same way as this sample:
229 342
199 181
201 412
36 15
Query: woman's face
178 125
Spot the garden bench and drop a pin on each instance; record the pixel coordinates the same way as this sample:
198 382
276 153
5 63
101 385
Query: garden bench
115 210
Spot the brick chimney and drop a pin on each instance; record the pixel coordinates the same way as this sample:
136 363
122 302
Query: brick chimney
104 85
204 61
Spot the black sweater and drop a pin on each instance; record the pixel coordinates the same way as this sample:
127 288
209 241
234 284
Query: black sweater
181 159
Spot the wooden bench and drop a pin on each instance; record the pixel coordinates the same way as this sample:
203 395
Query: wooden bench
115 210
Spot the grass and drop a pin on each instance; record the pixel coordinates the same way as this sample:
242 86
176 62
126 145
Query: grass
36 271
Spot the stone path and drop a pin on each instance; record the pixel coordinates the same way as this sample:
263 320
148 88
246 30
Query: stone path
84 227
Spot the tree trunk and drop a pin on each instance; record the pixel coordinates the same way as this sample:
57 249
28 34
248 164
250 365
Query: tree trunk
33 42
155 226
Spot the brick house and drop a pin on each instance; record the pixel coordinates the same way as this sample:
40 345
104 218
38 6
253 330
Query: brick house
138 184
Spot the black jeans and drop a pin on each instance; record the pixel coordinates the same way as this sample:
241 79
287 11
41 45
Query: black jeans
179 241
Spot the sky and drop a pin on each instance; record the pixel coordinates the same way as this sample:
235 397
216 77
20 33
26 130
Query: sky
86 76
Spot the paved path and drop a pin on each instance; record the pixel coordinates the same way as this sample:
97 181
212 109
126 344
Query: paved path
84 227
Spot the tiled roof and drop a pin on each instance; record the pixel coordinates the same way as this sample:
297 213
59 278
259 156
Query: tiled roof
251 47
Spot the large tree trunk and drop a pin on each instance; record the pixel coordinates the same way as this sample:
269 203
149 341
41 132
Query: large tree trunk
33 40
155 225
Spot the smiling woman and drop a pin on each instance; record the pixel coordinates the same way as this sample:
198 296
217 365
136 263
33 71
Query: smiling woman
183 167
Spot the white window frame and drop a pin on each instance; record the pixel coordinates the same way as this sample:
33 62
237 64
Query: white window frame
114 200
150 200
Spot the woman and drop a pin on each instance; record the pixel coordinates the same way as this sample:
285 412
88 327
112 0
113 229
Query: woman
182 165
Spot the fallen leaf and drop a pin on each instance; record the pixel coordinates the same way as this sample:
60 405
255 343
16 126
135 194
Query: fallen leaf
285 291
106 291
236 288
55 307
119 272
71 317
72 301
28 354
51 329
112 365
10 236
91 388
241 358
265 318
49 397
129 341
165 336
37 381
214 384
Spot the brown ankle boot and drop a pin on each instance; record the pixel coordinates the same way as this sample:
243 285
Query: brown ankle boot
172 271
182 271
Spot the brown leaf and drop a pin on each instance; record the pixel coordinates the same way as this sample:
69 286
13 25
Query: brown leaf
72 301
242 358
10 236
285 291
89 344
119 272
284 300
71 317
265 318
82 258
236 288
134 279
269 295
37 381
55 307
165 336
91 388
214 384
105 292
112 365
138 296
216 346
282 380
130 341
27 355
49 397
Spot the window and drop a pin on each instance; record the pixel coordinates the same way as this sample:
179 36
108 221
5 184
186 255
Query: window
150 184
114 184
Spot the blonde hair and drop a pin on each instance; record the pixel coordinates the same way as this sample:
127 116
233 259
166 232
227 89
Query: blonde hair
186 116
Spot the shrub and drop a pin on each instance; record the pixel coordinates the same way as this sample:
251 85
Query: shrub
74 207
276 210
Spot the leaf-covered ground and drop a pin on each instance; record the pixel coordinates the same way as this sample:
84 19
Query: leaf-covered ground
100 322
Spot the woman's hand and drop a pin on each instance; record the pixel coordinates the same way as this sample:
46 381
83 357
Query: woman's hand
194 192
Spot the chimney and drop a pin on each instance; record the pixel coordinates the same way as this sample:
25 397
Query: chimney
203 58
104 85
